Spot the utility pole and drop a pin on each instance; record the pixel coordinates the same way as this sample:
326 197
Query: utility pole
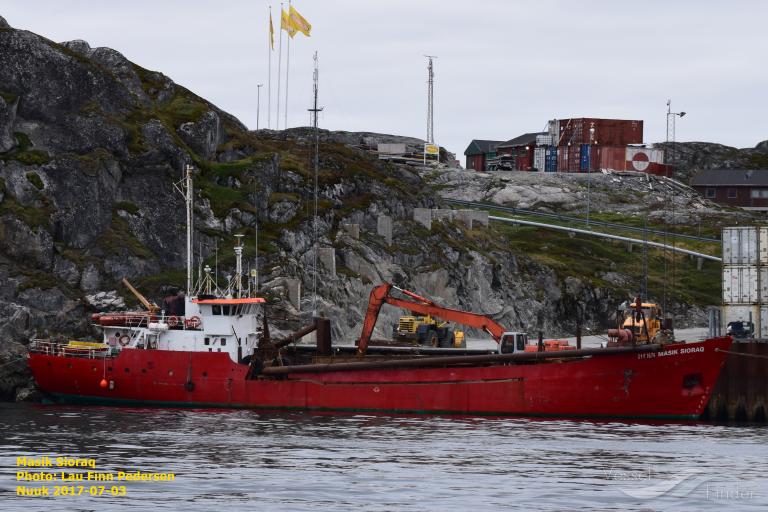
430 104
258 104
589 165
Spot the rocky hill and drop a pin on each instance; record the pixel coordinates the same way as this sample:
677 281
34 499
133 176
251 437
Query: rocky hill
91 145
690 157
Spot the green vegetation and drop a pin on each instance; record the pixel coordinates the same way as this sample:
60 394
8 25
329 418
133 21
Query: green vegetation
35 180
588 258
119 238
31 216
8 97
23 154
277 197
758 161
127 206
182 108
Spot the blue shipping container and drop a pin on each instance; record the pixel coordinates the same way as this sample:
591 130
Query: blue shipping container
550 160
584 160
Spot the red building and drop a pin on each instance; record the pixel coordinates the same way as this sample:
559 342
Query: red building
479 152
734 187
521 148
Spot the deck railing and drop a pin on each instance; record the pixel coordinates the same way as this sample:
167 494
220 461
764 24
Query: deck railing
65 349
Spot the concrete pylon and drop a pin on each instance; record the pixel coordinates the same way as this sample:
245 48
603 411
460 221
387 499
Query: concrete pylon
423 216
384 228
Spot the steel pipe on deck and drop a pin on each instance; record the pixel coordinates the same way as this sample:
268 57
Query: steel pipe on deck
454 360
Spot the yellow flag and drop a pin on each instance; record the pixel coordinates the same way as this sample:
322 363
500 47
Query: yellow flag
285 23
271 32
299 23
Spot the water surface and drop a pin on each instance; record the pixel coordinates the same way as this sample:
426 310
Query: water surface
249 460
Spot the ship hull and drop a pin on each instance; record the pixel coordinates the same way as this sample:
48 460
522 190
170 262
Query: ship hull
673 383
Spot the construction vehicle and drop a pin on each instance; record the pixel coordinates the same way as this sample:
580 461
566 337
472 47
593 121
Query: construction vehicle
427 330
642 323
509 342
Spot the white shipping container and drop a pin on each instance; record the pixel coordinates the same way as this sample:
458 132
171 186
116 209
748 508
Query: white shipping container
743 313
761 331
539 155
544 140
740 245
762 245
741 285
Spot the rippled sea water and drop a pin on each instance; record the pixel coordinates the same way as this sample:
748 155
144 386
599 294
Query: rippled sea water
248 460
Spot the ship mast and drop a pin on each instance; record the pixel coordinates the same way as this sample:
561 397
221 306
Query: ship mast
184 187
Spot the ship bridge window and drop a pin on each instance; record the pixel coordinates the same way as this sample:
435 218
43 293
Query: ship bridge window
225 310
216 309
207 341
223 341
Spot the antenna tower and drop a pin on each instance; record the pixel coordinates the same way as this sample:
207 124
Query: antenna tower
430 103
315 110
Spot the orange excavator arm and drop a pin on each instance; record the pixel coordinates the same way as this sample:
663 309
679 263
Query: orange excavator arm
380 296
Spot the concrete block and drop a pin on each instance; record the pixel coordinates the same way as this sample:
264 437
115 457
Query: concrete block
293 288
327 257
384 228
480 217
442 215
423 216
352 230
465 216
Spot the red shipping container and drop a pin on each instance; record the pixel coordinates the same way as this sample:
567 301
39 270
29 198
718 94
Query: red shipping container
607 131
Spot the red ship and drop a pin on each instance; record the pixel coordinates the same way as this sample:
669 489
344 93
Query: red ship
215 351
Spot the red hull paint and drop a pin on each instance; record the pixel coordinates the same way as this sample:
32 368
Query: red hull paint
638 385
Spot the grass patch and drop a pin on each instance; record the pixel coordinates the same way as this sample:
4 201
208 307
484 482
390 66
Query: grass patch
35 180
183 108
32 217
127 206
118 238
587 258
23 154
758 161
8 97
277 197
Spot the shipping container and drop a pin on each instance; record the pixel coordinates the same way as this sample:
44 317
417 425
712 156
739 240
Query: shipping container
743 313
551 159
761 331
741 284
740 245
568 158
539 157
544 140
584 158
607 131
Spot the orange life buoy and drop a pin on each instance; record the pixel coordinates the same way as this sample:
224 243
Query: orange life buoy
192 322
124 340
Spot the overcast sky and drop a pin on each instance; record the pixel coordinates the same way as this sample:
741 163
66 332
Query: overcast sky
503 67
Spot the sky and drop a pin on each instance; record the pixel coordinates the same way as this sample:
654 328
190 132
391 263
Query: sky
503 68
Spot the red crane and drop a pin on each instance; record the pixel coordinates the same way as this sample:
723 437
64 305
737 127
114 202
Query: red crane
381 295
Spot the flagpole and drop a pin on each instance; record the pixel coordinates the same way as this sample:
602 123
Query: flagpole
287 69
269 72
279 66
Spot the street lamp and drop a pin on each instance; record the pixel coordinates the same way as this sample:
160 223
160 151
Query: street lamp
671 118
589 165
258 104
